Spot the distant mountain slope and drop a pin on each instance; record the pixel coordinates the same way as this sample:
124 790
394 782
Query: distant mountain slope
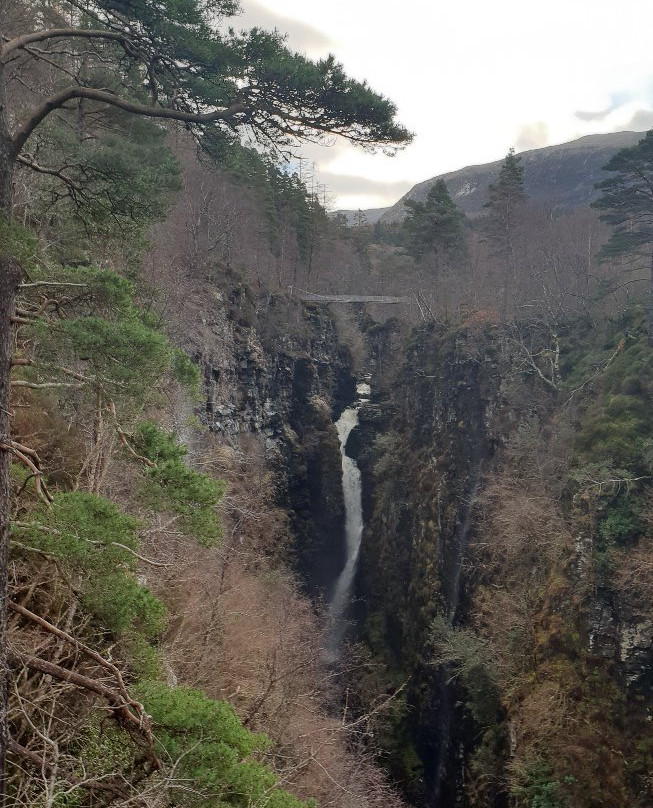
563 175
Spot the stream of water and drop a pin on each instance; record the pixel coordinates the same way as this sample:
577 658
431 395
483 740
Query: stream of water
352 494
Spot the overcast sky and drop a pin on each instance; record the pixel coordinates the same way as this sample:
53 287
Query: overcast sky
472 78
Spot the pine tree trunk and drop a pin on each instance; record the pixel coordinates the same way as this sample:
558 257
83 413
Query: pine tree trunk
10 276
649 307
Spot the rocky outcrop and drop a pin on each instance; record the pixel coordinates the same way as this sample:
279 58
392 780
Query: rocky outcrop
422 468
275 371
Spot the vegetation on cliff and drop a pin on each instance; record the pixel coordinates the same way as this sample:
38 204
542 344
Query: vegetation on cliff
160 649
108 516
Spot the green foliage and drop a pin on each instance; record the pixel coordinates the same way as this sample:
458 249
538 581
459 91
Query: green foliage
616 424
505 197
436 225
626 199
621 522
539 789
287 198
107 339
106 747
466 657
85 532
185 371
508 191
125 357
118 181
17 242
173 486
211 748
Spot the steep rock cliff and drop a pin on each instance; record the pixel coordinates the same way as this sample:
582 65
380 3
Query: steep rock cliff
505 572
276 372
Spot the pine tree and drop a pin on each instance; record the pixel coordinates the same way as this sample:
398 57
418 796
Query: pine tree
436 225
627 201
505 198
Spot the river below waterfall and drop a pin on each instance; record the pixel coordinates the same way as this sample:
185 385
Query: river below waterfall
352 495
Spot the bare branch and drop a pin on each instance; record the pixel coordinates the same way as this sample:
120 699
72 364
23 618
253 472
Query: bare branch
51 283
20 42
30 459
125 442
51 172
59 99
126 711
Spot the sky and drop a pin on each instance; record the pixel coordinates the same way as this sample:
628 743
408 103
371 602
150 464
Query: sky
471 78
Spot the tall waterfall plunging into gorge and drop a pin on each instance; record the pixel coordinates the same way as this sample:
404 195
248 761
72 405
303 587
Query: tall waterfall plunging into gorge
352 495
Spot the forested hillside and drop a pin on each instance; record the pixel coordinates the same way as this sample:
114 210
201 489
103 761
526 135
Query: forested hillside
158 651
171 502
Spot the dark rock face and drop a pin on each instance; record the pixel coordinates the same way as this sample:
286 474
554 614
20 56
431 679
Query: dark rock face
285 390
562 176
445 431
621 631
420 481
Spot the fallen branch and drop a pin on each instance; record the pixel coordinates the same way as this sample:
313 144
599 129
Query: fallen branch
129 550
43 766
51 283
30 459
125 710
42 385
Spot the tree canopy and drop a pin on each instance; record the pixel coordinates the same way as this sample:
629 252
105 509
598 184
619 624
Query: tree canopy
179 61
504 198
434 225
626 199
627 203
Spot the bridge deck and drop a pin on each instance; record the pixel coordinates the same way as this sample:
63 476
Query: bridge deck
314 298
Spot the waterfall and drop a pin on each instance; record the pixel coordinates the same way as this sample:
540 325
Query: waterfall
352 495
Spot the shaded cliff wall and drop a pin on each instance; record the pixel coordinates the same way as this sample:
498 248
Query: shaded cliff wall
503 581
504 566
428 438
276 373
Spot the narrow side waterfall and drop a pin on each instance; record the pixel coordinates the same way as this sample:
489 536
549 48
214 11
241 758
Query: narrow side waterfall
352 494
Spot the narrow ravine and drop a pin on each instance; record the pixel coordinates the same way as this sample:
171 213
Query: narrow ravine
352 495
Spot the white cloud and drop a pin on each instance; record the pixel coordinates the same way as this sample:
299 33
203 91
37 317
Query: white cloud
302 37
532 136
473 78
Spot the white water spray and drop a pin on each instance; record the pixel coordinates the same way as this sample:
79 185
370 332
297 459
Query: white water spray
352 494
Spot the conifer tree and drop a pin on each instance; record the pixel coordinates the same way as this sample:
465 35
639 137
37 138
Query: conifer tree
506 198
627 203
436 225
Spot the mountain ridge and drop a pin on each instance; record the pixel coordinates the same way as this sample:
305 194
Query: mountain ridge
563 175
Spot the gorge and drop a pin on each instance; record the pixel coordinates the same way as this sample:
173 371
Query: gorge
301 512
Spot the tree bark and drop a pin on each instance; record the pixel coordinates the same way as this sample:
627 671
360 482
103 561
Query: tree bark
649 307
10 277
